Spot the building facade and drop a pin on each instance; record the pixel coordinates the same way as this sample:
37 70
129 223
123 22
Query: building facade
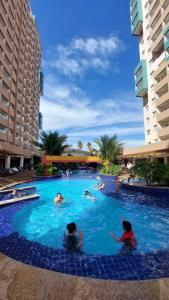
20 82
150 22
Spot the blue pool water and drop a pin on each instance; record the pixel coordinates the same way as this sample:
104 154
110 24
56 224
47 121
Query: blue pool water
44 222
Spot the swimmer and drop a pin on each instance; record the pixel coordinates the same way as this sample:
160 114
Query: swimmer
117 184
101 186
89 195
73 240
16 194
68 172
59 198
128 237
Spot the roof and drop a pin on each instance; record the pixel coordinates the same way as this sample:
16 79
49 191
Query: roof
70 159
150 149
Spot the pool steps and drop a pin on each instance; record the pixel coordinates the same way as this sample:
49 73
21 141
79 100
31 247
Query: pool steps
19 199
17 189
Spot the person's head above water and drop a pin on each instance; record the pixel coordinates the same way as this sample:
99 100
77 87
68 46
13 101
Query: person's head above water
59 194
71 227
127 226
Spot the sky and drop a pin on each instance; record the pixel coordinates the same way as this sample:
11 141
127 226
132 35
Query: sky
88 58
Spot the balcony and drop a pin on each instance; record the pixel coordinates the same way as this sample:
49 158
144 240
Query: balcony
163 133
163 116
166 43
141 79
157 44
161 85
41 82
136 17
163 101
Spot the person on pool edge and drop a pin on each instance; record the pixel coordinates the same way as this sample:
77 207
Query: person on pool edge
128 237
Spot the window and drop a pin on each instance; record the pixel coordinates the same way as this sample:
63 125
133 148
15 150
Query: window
3 129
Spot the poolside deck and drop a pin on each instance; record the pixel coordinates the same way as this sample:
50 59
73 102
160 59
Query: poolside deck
18 178
19 281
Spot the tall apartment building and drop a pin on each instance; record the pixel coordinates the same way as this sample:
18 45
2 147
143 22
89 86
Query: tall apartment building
150 22
20 61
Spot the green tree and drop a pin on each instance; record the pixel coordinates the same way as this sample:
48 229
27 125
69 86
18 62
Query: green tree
109 148
79 145
51 143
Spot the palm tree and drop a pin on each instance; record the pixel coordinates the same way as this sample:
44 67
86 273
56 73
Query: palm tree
79 145
89 146
109 148
52 143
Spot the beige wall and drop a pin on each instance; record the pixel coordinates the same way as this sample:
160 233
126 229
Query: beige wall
20 59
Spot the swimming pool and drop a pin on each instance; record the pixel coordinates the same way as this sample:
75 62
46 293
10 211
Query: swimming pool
32 232
45 222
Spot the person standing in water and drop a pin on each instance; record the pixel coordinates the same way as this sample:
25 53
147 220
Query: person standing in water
73 240
128 238
59 198
117 184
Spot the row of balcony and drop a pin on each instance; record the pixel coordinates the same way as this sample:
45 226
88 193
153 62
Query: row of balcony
136 17
141 79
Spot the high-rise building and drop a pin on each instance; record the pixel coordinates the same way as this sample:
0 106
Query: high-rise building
150 22
20 86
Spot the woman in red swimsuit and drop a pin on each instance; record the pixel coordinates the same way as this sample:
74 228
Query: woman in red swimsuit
128 237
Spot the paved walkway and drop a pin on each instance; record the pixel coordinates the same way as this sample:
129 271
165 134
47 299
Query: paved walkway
23 282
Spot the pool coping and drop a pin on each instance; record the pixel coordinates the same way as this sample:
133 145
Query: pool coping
107 267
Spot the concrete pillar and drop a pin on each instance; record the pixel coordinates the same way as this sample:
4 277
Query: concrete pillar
21 162
166 160
7 162
151 158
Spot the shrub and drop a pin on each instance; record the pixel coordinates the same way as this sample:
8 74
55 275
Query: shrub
151 172
46 170
110 169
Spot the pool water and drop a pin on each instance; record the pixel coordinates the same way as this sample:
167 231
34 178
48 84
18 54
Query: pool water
44 222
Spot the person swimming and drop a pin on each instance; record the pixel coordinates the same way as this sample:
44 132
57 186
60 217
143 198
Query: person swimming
73 240
68 172
128 238
117 184
15 194
59 198
101 186
89 195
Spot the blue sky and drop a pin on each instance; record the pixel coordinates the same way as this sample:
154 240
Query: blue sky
88 60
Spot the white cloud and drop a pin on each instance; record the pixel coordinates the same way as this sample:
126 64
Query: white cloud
82 54
67 109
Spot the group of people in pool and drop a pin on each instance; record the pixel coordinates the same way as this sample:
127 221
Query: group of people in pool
73 240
